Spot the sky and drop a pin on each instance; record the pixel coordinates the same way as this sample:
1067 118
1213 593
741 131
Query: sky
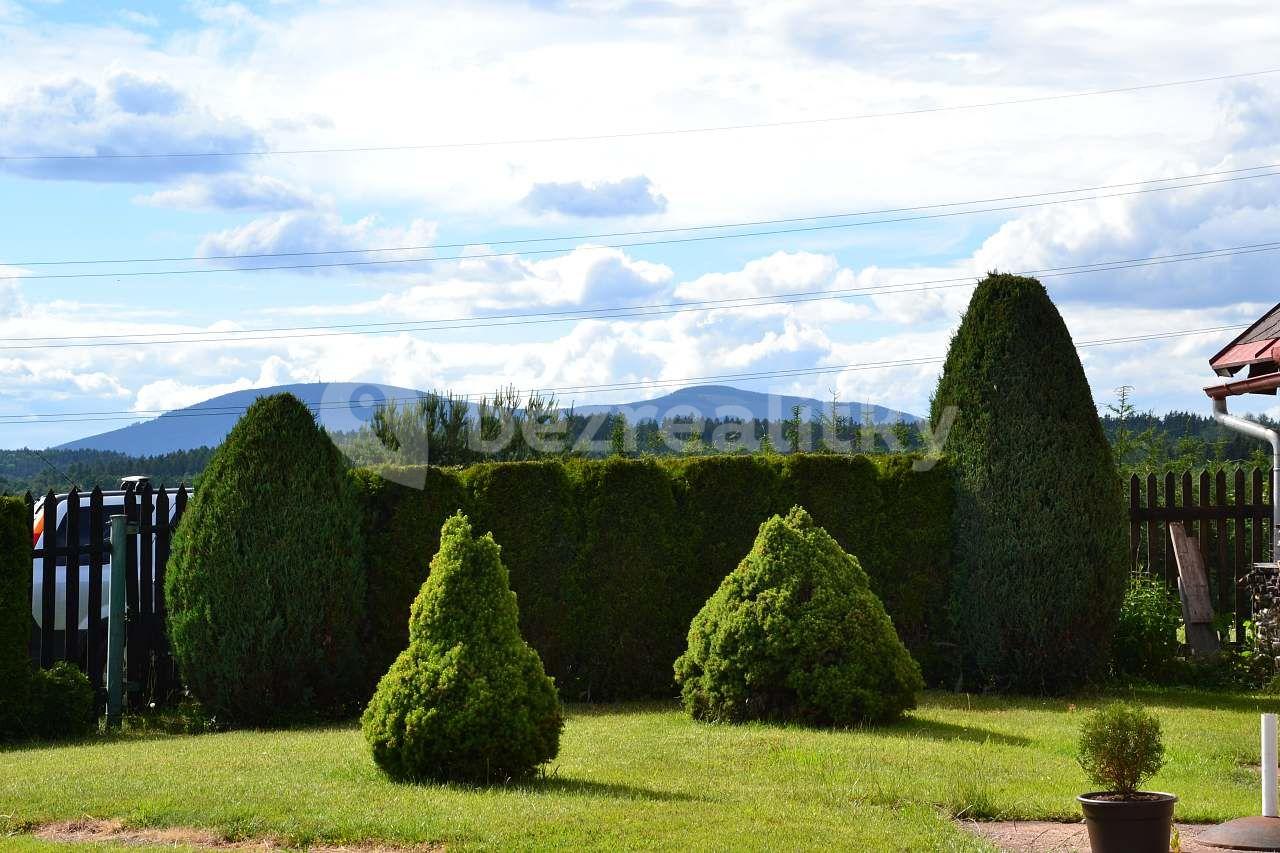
526 121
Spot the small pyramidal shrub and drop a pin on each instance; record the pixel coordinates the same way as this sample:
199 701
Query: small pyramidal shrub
468 700
795 633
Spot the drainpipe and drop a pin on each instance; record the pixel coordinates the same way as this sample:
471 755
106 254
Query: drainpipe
1258 431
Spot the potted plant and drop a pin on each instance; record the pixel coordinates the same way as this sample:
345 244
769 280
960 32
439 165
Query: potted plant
1120 747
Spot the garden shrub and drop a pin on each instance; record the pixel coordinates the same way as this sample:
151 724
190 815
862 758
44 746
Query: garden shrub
468 700
795 633
620 590
1040 545
401 532
1120 747
720 502
15 617
611 559
529 508
265 585
912 570
1145 645
61 703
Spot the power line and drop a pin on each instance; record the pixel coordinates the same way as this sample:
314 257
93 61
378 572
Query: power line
83 417
634 244
635 134
650 231
607 313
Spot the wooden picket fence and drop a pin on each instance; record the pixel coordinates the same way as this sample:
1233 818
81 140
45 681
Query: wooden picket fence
1229 514
82 542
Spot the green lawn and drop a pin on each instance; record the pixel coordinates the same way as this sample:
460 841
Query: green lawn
643 776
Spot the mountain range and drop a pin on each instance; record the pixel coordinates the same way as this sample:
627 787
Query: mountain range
346 406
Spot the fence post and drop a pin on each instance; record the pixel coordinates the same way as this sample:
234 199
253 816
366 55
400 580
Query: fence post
115 629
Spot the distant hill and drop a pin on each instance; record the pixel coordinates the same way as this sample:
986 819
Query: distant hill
346 406
341 406
711 401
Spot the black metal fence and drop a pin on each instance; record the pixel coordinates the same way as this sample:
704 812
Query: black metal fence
70 553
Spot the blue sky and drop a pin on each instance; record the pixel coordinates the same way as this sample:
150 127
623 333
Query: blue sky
136 78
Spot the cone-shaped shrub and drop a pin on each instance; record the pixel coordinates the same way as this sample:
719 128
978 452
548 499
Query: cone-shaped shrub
795 633
468 700
265 584
1039 539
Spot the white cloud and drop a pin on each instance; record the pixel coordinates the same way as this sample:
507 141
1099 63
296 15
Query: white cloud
635 196
320 231
127 114
234 192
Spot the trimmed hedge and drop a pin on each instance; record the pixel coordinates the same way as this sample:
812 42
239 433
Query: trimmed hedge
265 584
529 507
400 524
1040 514
611 559
15 618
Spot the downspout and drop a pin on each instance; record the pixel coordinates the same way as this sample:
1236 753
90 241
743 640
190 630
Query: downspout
1258 431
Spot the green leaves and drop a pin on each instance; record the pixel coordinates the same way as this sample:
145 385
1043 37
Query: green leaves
468 700
1120 747
265 585
795 633
1040 545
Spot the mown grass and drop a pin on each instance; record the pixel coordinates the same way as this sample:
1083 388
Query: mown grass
644 776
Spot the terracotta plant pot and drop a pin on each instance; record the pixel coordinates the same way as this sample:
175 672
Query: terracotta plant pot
1128 826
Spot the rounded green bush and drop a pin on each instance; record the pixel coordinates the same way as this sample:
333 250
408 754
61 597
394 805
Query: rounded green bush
468 700
1040 546
795 633
1120 747
62 702
265 584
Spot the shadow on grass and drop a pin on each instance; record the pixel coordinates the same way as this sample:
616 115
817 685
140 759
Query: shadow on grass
936 730
562 785
1154 697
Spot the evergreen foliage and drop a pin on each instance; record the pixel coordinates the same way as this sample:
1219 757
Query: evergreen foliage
795 633
1040 544
401 524
265 585
611 559
468 700
61 703
15 618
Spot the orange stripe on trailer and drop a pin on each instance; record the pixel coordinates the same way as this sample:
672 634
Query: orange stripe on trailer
37 530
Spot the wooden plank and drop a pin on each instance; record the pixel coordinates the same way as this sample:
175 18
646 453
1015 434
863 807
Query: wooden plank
1155 534
1225 594
1135 526
1240 559
1193 589
1189 500
71 637
1191 576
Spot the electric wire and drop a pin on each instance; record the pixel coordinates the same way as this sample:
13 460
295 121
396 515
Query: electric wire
602 313
82 417
650 231
613 246
634 134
